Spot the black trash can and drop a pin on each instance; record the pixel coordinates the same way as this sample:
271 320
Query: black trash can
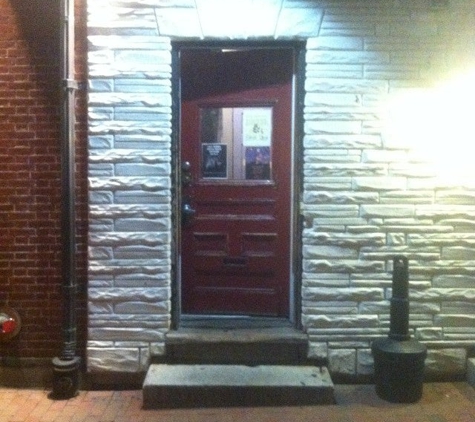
399 369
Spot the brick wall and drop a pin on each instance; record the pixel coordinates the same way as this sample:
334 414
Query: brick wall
82 222
30 248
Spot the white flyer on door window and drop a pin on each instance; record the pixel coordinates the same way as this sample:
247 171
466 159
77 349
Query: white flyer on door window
257 126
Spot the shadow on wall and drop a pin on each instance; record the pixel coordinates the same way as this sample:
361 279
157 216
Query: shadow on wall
39 23
39 20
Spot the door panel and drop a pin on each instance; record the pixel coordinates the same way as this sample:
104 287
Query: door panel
236 138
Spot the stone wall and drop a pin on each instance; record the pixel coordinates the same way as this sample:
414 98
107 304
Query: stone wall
369 191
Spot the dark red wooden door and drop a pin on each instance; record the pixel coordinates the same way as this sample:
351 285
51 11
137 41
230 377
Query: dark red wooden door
236 130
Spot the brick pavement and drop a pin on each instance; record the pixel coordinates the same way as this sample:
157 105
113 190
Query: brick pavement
441 402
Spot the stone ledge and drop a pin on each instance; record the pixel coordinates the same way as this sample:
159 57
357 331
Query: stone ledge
241 335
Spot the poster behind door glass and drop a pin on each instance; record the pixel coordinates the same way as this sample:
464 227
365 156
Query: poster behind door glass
257 163
214 160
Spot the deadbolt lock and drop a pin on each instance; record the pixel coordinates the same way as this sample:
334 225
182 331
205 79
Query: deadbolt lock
185 173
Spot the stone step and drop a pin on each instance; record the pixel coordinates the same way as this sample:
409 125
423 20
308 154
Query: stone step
171 386
264 346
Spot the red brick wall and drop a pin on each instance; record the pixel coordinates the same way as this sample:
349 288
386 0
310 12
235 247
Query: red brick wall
30 195
81 170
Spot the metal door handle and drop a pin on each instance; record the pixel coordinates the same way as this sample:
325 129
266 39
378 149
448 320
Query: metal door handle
187 213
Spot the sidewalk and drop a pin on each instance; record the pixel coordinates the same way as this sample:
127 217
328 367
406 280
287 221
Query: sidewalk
441 402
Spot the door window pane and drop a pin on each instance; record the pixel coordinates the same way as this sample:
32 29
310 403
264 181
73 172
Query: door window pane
236 143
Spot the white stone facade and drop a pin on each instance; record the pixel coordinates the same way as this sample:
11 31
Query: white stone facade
368 194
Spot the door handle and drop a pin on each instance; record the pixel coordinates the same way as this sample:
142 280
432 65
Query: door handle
187 213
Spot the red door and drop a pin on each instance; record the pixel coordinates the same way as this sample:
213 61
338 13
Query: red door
236 114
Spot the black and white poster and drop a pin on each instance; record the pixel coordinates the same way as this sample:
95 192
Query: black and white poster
214 161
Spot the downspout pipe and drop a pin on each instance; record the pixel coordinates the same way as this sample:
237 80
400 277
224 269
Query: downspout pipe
66 366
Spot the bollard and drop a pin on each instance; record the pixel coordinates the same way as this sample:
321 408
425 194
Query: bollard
398 359
65 378
399 310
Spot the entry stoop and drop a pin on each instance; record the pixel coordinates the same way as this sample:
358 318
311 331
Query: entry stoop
171 386
281 345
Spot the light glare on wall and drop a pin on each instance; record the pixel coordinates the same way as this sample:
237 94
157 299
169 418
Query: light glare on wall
437 125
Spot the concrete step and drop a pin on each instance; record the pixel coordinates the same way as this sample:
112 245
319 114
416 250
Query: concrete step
241 346
171 386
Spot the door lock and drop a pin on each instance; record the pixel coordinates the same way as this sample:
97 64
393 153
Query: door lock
185 173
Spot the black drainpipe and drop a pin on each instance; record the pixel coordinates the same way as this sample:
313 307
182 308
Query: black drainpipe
66 366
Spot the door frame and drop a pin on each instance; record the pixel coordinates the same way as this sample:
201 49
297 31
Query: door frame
296 226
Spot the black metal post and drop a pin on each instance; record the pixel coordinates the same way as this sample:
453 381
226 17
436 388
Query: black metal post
398 359
399 311
66 366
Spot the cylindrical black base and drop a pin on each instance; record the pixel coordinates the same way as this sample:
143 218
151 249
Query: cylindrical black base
399 369
65 378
